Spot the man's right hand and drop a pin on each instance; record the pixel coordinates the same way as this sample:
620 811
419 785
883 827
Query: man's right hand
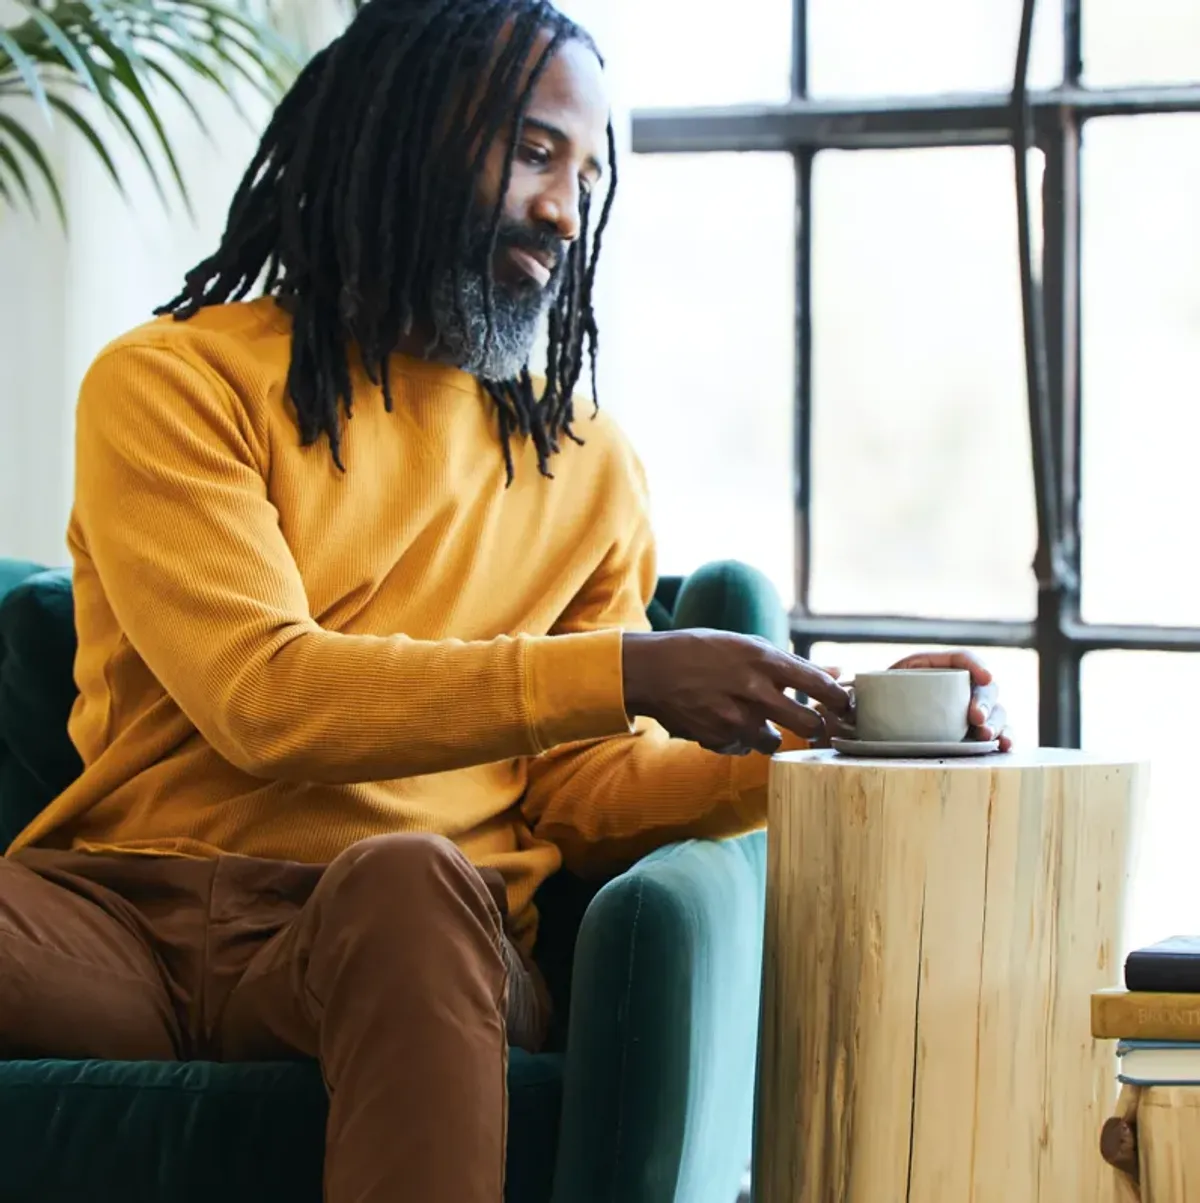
724 691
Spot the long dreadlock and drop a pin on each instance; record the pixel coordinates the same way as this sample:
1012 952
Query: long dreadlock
361 196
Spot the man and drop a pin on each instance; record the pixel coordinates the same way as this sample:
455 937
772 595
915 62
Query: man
355 675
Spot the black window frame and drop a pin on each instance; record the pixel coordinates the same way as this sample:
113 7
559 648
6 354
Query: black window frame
1051 120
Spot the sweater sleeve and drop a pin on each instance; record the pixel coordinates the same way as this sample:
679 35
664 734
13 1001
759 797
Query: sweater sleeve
172 502
606 803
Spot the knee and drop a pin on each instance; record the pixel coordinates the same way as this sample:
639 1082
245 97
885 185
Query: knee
398 919
389 876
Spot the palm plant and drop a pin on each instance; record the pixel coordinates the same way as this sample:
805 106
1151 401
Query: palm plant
102 65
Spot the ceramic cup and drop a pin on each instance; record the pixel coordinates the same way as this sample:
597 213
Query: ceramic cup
915 705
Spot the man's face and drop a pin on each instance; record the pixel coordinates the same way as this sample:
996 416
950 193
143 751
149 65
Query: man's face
558 162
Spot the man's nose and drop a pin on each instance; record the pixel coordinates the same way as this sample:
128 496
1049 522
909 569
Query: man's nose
557 208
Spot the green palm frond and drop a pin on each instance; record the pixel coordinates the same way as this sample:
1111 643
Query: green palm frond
122 52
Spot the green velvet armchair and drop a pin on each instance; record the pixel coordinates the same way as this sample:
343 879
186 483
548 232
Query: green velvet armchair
645 1096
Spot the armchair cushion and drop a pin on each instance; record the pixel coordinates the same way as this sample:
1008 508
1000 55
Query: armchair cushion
195 1132
658 1095
37 691
730 596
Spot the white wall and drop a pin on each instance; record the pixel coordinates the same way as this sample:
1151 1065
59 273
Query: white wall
63 296
34 453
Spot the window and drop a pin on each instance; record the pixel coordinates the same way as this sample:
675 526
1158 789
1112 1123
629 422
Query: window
1150 42
870 47
932 501
711 316
918 382
921 483
1117 715
672 58
1141 366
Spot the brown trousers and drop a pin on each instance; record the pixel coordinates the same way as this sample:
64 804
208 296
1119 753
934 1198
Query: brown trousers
390 966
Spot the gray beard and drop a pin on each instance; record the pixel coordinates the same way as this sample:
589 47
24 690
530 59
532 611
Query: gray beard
462 329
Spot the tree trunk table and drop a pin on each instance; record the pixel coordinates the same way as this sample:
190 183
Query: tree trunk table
934 932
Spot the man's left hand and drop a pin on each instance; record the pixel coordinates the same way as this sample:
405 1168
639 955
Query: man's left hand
986 715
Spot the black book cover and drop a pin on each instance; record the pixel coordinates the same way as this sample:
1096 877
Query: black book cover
1168 967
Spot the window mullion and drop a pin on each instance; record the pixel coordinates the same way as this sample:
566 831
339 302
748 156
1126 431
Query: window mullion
799 49
802 438
802 470
1072 42
1060 654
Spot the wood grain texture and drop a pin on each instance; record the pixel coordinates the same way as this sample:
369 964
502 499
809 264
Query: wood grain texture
934 932
1168 1138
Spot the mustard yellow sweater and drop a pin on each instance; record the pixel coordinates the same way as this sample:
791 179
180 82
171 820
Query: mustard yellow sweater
277 659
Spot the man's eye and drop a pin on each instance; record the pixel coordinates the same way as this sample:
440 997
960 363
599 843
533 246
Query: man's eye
538 156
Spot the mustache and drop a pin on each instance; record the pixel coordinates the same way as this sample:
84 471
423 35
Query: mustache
540 242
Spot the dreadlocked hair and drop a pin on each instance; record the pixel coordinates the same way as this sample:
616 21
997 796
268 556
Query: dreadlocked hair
355 203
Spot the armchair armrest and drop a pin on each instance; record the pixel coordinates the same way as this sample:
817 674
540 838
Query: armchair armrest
661 1050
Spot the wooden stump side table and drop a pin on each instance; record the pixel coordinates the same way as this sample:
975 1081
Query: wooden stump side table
934 932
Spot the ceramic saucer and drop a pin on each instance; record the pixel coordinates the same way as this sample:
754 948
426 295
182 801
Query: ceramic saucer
913 751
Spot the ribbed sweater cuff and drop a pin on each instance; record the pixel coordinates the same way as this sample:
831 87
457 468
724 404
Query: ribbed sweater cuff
575 688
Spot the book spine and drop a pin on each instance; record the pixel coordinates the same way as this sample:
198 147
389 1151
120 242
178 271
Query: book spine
1153 969
1146 1017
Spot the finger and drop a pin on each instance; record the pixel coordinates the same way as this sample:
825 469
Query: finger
793 673
804 721
767 741
1006 740
835 724
983 703
980 673
727 749
997 721
835 673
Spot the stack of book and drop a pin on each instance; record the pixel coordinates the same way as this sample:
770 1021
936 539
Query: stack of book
1155 1019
